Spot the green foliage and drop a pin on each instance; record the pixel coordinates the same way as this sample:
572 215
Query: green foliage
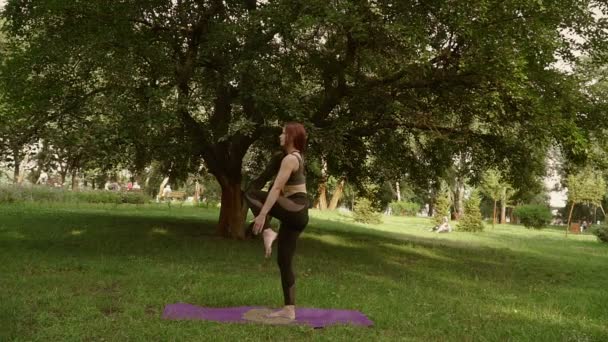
601 232
442 207
588 186
492 184
365 213
187 81
471 220
43 194
382 194
533 216
581 212
405 208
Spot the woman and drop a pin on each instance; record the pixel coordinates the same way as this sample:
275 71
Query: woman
288 202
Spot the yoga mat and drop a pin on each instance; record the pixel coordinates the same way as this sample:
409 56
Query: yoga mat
316 318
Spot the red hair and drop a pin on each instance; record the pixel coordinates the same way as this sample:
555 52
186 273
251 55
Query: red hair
296 133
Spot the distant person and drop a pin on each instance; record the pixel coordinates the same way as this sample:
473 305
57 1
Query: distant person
584 226
136 186
43 179
444 227
129 186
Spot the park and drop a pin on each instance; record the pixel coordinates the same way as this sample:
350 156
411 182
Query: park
441 167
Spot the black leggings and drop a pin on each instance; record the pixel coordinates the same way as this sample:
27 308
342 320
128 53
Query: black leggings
292 211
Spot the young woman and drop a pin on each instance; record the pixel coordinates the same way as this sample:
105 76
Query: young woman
287 201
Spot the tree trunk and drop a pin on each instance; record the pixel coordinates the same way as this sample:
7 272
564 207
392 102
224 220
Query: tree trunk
16 172
458 200
74 181
233 210
63 174
197 193
337 195
494 215
503 211
398 191
322 199
17 166
162 187
23 169
569 218
594 214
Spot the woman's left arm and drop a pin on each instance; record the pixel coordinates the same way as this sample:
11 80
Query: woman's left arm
288 165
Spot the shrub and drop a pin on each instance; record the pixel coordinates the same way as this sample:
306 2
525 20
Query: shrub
533 215
18 194
442 208
601 232
471 220
405 208
364 212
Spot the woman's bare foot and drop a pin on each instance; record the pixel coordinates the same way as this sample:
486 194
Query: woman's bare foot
269 237
288 311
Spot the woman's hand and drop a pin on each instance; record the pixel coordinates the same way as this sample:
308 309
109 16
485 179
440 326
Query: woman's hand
258 224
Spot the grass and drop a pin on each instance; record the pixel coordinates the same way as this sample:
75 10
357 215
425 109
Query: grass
105 273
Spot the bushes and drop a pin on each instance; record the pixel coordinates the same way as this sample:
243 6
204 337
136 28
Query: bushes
405 208
533 216
601 232
18 194
471 221
364 212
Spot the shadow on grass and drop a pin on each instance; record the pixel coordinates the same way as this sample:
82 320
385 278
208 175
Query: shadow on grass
486 280
395 255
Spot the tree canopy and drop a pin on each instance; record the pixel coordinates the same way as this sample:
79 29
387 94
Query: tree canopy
396 86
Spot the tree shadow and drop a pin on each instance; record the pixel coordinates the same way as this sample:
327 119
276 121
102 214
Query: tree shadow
341 251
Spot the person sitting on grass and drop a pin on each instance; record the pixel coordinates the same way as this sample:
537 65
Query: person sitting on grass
444 227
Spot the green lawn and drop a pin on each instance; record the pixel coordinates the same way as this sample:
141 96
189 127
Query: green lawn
106 272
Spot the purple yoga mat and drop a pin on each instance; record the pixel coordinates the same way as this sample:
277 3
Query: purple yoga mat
316 318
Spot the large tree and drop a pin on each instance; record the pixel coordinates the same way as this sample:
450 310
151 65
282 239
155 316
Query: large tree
393 83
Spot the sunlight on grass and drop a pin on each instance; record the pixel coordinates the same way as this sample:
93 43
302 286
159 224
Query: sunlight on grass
545 315
159 231
15 236
332 240
410 248
379 280
118 268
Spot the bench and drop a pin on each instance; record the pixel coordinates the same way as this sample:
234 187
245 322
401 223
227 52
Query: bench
180 195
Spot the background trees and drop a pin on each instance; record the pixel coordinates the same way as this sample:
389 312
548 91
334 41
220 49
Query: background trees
386 89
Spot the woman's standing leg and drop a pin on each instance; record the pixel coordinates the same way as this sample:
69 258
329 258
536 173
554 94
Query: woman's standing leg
287 240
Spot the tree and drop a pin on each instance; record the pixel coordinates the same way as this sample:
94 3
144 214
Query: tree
205 81
337 194
588 186
441 207
471 221
505 197
456 177
494 187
